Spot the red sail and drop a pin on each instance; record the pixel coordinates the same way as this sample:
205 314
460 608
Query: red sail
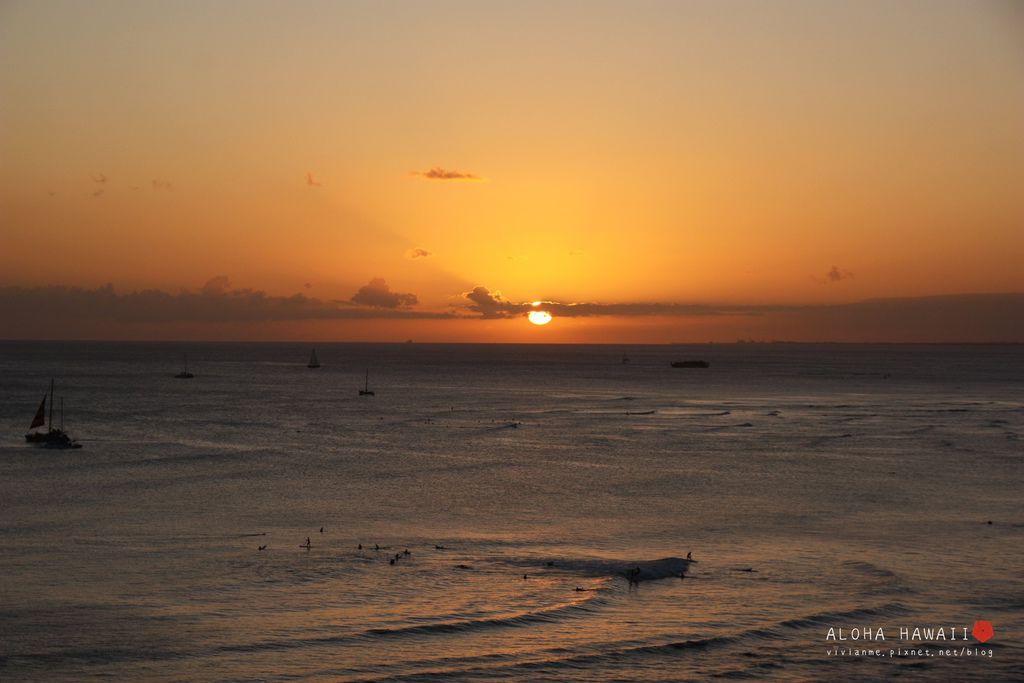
40 419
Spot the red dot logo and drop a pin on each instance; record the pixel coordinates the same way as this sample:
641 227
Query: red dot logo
982 630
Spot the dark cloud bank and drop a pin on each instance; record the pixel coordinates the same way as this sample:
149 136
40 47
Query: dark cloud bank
28 311
958 317
215 302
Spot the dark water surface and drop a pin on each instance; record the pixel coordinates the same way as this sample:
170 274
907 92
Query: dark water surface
855 481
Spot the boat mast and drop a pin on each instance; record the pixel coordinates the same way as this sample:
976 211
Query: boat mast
62 413
367 381
51 404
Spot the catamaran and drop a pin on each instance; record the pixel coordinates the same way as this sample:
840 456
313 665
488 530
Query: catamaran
52 437
313 361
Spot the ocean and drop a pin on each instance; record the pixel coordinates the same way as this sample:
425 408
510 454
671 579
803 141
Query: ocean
817 487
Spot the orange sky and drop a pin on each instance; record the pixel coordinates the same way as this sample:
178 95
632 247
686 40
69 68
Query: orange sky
721 154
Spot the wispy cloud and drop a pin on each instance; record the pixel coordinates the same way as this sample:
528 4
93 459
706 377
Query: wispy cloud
438 173
311 181
379 295
162 185
418 253
837 275
99 178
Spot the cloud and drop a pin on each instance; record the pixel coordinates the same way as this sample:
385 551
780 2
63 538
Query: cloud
972 317
836 275
217 286
491 304
379 295
438 173
98 193
418 253
99 178
36 312
310 180
162 185
215 302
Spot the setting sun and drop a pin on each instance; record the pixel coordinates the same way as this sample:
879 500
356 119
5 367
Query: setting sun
539 317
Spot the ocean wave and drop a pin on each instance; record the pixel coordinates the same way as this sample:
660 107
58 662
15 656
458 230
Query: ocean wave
566 658
588 603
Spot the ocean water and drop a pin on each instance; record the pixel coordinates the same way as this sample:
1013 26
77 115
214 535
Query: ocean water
816 487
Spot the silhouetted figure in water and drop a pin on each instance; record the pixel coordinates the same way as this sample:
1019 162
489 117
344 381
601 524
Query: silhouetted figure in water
321 529
391 561
376 547
309 544
689 556
551 564
406 552
439 547
360 547
524 577
262 547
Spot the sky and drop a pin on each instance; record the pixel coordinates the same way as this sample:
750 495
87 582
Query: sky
649 172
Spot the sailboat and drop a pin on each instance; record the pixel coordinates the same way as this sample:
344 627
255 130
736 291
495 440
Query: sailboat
365 391
313 361
51 438
185 374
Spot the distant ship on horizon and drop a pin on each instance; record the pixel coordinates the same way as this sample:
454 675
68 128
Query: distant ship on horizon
691 364
185 374
365 391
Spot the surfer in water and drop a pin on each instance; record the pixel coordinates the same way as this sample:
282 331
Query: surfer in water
689 556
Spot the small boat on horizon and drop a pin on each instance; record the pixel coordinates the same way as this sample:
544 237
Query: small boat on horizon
314 362
691 364
184 374
365 391
52 437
